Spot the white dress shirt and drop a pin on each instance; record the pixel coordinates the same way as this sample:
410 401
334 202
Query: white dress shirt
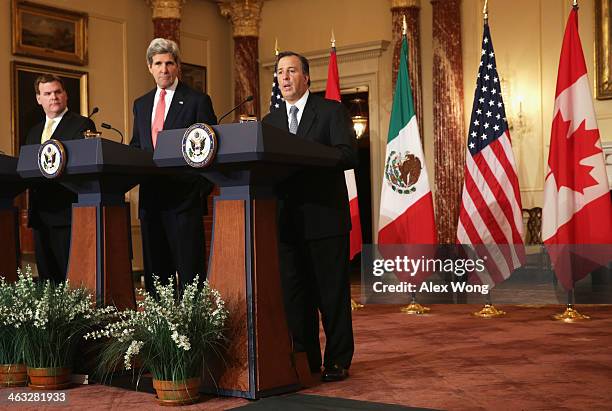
300 104
168 99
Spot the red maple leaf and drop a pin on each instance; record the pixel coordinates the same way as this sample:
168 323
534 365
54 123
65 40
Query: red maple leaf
566 153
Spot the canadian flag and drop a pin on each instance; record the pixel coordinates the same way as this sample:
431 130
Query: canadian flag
332 92
577 202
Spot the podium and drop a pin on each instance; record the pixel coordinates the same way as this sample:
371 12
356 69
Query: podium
11 184
251 159
100 171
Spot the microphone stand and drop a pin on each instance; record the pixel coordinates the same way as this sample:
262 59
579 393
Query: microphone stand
109 127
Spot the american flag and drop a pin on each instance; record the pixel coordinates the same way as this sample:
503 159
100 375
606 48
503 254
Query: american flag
491 202
276 97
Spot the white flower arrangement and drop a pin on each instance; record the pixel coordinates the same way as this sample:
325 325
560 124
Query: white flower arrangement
10 325
171 336
51 318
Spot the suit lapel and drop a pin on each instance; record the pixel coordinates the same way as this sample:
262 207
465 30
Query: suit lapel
147 119
308 117
279 117
36 134
60 132
178 101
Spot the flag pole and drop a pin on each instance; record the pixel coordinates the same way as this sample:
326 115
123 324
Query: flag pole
489 310
414 307
485 11
570 314
354 304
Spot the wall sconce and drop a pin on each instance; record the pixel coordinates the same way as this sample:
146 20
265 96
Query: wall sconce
518 121
359 117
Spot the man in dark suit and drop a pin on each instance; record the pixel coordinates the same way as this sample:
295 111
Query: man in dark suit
170 208
314 224
50 204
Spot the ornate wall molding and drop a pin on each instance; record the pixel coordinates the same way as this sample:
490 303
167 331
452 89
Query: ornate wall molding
166 9
244 15
405 3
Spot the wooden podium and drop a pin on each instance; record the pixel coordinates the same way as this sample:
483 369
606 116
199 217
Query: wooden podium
10 185
100 171
251 159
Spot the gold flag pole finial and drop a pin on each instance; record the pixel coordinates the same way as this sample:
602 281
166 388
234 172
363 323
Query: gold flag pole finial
333 39
404 26
575 4
485 10
276 47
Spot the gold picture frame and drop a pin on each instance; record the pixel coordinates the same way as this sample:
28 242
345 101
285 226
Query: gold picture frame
49 33
25 110
603 50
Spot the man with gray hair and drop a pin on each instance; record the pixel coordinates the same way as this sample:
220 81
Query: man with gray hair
170 208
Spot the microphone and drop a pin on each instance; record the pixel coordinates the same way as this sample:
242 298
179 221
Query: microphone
88 133
109 127
246 100
94 111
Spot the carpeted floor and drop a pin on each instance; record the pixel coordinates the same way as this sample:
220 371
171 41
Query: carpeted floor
444 360
300 402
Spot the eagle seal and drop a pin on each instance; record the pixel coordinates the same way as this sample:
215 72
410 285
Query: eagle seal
52 158
199 145
402 172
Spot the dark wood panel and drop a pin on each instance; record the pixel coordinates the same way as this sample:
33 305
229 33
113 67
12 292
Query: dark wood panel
274 365
8 239
118 283
26 236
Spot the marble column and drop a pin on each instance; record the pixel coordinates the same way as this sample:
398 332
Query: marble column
449 127
411 9
245 16
167 18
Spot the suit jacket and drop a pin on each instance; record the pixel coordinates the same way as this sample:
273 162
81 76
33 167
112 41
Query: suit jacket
177 193
314 202
50 203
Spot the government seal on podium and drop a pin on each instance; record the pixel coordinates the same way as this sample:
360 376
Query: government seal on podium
52 158
199 145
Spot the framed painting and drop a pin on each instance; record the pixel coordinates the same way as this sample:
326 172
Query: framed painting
194 76
603 49
26 112
49 33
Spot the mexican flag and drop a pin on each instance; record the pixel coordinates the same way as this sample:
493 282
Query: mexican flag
406 203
